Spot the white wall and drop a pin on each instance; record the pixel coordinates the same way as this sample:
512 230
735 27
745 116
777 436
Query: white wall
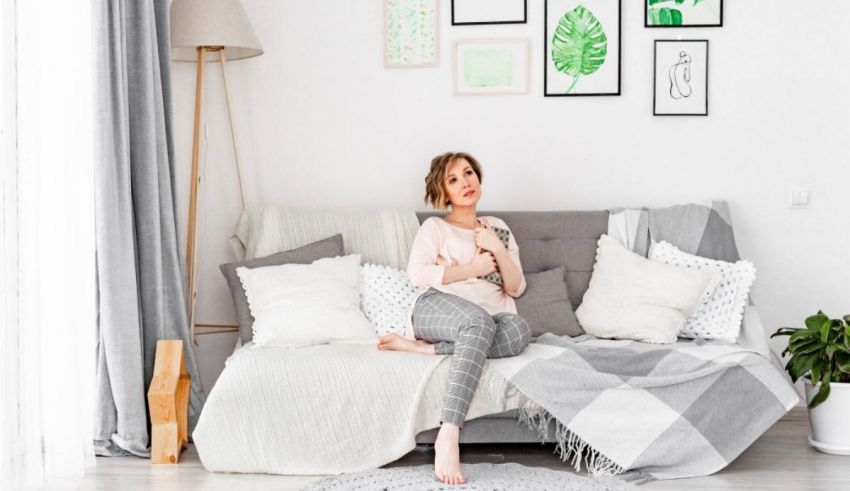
322 123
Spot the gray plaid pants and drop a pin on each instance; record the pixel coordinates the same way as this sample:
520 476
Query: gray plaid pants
460 328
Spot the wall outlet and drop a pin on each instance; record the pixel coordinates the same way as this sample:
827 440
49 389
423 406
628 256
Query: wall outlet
800 197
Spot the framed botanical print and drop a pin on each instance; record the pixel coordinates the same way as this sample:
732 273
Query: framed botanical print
581 48
679 13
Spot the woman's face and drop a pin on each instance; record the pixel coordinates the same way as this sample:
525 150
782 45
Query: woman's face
461 183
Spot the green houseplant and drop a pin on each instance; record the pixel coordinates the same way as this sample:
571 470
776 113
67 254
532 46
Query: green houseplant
821 351
820 355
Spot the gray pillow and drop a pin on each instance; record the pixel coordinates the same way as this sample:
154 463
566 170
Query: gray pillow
330 247
546 304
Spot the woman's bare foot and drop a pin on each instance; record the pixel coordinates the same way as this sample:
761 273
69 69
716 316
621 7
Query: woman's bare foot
394 342
447 459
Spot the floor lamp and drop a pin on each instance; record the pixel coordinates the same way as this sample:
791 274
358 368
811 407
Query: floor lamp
201 31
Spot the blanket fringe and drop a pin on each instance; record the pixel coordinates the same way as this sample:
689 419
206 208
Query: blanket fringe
568 445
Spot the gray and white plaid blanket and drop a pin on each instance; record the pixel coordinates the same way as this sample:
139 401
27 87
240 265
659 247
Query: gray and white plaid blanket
662 411
704 229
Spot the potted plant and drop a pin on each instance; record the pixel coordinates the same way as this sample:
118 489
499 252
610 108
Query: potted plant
820 355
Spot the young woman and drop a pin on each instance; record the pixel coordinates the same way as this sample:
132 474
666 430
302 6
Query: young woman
461 314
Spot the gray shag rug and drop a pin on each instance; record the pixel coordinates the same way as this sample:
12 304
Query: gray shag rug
488 477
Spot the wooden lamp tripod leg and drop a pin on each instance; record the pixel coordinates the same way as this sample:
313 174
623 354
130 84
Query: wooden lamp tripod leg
232 130
193 194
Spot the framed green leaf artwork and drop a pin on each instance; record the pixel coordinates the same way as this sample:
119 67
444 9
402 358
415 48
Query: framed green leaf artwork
581 48
683 13
411 33
681 78
491 66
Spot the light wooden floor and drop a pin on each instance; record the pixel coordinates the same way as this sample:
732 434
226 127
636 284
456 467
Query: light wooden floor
780 459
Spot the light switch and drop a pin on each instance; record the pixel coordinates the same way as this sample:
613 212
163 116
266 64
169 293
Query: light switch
800 197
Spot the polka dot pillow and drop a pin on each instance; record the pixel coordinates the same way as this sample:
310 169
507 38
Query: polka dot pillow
720 316
386 295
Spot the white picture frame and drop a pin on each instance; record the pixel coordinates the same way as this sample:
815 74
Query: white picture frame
495 66
411 33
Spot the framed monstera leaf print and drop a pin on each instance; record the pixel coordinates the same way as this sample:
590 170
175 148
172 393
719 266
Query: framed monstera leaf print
582 47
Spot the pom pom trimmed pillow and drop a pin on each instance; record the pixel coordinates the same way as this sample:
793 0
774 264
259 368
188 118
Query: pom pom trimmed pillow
720 317
631 297
386 295
296 305
330 247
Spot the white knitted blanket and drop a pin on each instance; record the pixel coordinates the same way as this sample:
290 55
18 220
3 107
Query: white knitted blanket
328 409
379 236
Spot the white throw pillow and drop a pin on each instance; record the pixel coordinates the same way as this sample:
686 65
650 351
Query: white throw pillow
631 297
305 304
386 295
720 317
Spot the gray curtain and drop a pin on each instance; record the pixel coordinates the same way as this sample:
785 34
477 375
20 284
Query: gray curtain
140 286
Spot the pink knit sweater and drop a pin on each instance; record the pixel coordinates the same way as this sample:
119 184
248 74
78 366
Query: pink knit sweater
439 244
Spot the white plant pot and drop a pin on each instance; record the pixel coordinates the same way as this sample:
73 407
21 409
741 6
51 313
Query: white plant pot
831 419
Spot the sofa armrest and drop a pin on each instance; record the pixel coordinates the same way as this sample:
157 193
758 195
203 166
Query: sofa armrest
753 335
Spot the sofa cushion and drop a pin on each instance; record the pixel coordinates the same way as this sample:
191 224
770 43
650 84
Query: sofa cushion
546 304
721 316
329 247
386 296
296 305
632 297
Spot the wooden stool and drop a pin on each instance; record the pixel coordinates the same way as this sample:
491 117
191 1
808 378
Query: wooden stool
168 400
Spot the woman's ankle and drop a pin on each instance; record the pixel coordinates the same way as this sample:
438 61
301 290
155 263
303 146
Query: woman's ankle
424 347
449 430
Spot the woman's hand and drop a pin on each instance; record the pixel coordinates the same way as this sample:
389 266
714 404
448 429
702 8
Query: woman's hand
483 263
487 240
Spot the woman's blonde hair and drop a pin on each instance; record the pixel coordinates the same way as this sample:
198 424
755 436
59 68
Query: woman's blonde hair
435 191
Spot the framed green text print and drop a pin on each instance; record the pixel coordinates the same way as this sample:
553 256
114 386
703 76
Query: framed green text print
491 66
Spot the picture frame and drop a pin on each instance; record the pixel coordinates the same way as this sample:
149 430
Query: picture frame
484 12
671 13
411 33
680 77
495 66
572 69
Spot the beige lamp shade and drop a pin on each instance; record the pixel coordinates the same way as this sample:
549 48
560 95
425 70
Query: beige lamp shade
211 23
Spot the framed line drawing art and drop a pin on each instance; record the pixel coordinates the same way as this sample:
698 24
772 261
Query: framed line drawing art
679 13
491 66
681 78
411 33
582 48
475 12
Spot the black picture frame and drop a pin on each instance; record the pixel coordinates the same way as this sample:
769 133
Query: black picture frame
647 25
485 23
655 75
619 55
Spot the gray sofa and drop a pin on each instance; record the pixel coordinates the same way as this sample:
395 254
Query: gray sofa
547 240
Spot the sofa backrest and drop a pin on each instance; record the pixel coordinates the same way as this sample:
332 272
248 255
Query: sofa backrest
548 239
